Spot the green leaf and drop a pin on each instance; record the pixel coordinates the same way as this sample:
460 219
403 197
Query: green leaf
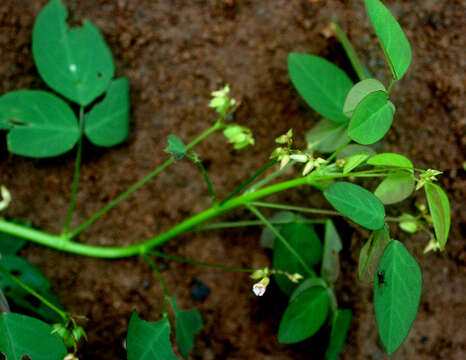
267 239
340 326
332 246
23 336
10 244
305 241
321 84
372 118
327 136
439 208
390 159
306 285
176 147
358 92
304 316
394 43
74 62
354 161
354 149
395 187
358 204
397 291
31 276
188 324
107 124
40 124
371 253
149 340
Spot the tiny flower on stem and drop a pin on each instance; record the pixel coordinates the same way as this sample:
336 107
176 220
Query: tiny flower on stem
239 136
427 177
260 287
221 102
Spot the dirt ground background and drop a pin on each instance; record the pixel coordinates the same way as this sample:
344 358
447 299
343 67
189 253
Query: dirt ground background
174 54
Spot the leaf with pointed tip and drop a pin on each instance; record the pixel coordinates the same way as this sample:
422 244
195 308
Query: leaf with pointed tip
40 124
327 136
149 340
394 43
439 208
372 118
358 92
26 337
188 324
321 84
397 292
357 203
107 124
304 315
74 62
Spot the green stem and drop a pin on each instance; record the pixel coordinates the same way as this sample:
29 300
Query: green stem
59 243
295 208
217 126
236 224
207 180
34 293
350 52
162 282
271 177
194 262
248 181
390 86
337 151
77 169
280 237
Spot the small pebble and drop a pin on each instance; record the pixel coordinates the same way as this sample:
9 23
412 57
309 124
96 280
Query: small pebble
199 291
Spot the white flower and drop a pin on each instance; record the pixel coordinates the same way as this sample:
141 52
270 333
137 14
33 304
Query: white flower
259 289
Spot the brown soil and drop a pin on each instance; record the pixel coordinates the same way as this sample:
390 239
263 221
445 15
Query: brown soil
174 54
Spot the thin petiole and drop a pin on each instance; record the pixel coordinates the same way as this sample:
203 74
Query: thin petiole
34 293
236 224
194 262
217 126
248 181
77 169
349 50
390 86
207 180
337 151
271 177
162 282
279 236
295 208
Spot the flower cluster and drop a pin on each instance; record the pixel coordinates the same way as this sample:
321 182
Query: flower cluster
285 153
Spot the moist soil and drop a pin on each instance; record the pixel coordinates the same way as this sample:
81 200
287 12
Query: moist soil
175 53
